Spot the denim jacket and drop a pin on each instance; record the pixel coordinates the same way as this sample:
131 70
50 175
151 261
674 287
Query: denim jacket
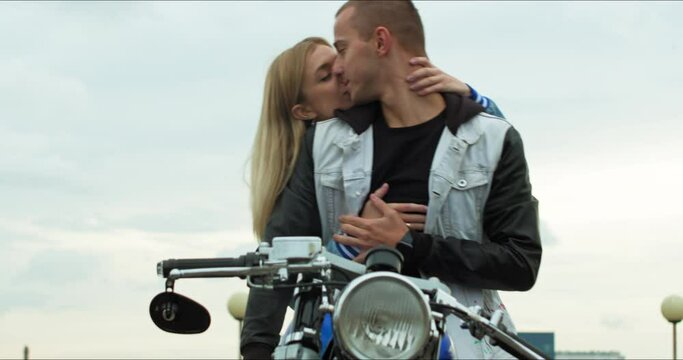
459 184
343 173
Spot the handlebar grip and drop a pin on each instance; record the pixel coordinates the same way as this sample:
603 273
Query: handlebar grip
164 267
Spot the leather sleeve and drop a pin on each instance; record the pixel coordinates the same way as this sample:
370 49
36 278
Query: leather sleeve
294 214
257 351
512 257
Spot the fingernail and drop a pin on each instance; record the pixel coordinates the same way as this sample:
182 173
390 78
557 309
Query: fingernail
409 78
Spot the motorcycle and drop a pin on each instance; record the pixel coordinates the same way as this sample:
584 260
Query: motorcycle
342 309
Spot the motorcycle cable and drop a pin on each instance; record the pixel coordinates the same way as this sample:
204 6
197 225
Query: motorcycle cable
335 284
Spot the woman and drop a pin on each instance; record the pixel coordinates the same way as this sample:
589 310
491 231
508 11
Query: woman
300 89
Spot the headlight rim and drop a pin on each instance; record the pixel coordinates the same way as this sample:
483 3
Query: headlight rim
352 287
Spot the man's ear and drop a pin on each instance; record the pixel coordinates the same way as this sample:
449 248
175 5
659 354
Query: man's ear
383 40
303 112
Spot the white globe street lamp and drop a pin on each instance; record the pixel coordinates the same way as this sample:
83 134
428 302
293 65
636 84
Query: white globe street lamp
672 309
237 306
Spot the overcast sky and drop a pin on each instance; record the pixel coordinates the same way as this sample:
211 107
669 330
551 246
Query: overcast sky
125 128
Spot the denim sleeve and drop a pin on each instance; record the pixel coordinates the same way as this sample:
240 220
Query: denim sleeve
493 109
488 104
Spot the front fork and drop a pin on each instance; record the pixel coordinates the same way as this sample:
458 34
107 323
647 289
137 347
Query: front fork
303 342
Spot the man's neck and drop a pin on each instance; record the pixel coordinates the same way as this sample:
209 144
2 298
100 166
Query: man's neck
403 107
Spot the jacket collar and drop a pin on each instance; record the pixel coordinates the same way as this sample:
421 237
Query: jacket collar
458 111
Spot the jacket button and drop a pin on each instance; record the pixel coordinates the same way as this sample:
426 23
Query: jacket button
357 193
462 183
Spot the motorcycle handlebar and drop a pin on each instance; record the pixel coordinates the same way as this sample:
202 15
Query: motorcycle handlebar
164 267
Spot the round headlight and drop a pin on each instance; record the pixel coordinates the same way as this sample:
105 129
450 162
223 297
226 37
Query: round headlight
382 315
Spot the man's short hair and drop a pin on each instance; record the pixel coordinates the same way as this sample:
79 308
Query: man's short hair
400 17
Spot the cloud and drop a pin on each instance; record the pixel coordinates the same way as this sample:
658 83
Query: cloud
13 299
32 93
52 278
615 322
55 265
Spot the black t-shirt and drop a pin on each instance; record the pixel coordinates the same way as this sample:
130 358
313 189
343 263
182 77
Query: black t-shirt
403 157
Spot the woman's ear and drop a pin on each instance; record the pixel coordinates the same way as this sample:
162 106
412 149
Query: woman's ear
303 112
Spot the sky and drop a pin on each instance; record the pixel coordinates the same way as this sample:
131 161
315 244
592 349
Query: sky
125 130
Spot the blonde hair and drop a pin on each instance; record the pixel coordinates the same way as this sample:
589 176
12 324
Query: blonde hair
279 134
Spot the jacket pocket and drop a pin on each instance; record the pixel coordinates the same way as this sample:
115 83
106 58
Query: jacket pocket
465 204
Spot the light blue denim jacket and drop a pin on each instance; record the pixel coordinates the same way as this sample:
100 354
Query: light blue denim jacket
459 182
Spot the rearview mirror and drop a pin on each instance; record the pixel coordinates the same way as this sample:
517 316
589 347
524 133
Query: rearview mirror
178 314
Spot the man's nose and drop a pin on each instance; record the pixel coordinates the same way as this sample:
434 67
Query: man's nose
337 67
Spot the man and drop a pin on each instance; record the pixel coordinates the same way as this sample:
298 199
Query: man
481 232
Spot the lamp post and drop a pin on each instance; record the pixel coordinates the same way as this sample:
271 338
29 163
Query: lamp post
237 306
672 309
